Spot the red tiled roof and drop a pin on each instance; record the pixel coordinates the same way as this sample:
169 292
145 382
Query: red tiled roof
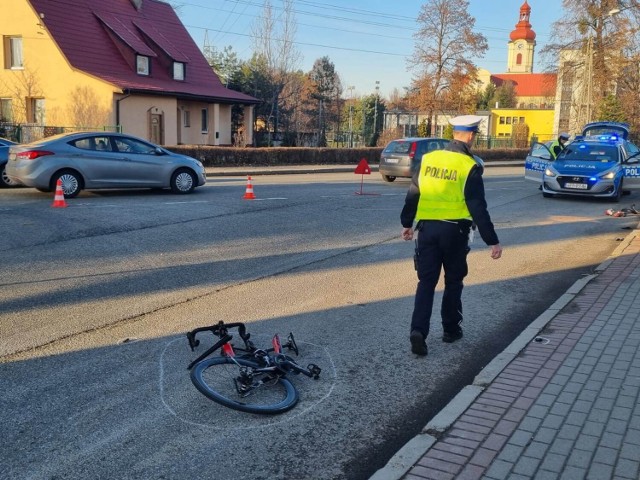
159 39
102 37
125 34
528 84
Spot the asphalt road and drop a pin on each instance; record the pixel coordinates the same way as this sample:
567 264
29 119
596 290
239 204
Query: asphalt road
95 300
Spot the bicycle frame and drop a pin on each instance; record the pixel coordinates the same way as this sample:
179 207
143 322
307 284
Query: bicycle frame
279 361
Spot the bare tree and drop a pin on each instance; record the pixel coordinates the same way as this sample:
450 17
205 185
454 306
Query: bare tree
592 45
397 100
274 41
22 88
445 46
86 110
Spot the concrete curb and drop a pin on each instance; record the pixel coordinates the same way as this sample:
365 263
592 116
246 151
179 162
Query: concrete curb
417 447
301 169
256 171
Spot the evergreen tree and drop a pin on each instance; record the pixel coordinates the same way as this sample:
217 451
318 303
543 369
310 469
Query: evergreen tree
422 129
485 96
611 110
504 96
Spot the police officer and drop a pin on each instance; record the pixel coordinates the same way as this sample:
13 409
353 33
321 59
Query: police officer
446 198
559 145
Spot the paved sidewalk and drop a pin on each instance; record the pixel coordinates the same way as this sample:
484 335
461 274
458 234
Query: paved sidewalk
561 402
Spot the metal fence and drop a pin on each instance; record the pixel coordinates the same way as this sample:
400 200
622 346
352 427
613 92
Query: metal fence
30 132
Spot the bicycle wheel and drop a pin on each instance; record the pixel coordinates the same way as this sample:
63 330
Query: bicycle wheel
216 378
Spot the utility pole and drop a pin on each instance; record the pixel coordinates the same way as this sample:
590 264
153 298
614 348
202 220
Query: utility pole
350 89
375 112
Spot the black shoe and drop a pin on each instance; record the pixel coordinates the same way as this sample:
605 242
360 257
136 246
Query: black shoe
450 337
418 345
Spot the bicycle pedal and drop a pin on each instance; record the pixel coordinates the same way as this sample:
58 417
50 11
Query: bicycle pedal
193 342
315 370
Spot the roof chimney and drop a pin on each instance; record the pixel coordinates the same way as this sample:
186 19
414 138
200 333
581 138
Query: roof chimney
137 4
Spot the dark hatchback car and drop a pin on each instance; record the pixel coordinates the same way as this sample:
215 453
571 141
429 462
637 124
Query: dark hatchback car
401 158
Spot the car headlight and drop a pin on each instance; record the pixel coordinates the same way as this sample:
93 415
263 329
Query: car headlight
549 173
609 176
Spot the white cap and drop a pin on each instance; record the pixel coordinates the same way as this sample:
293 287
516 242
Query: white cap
466 123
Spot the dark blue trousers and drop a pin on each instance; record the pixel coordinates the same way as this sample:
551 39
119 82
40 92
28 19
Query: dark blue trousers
441 245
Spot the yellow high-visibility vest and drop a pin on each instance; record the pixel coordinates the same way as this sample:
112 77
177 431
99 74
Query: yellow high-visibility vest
555 144
443 176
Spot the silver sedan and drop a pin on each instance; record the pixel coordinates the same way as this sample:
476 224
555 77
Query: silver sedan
101 160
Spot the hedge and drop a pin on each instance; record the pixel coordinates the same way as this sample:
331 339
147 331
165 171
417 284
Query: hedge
263 157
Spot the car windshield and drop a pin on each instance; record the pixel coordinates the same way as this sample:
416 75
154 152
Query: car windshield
584 151
398 147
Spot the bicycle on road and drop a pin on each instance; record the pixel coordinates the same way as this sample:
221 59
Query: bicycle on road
244 377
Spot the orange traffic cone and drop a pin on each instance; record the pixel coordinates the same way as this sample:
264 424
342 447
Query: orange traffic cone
248 194
58 201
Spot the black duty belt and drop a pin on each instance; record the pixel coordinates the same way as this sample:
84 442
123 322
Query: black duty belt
463 222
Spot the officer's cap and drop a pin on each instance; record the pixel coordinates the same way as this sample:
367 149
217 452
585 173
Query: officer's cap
564 135
466 123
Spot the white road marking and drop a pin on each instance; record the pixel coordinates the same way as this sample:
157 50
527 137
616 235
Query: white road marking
288 417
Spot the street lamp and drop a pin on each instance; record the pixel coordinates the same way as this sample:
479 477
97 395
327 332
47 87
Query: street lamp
350 89
375 111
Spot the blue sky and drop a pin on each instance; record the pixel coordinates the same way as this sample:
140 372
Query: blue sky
367 40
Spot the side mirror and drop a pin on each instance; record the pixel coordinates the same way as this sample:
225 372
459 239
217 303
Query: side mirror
159 151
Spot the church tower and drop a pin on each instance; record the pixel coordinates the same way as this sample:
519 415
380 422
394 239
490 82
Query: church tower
522 44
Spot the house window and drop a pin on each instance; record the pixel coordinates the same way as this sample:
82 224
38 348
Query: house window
142 65
501 120
204 124
186 118
178 71
35 111
508 120
6 111
521 119
515 120
13 53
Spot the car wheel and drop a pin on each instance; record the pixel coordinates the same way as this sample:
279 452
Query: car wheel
388 178
5 181
183 181
71 183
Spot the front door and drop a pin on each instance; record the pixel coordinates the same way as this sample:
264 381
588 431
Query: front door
631 167
537 161
157 129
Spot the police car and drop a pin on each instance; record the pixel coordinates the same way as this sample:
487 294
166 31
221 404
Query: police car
599 163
